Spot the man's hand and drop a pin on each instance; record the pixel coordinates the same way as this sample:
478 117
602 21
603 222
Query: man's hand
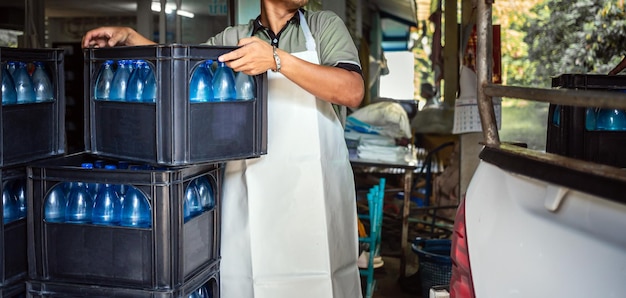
113 36
254 56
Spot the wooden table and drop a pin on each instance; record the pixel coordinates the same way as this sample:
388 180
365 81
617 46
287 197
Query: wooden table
382 167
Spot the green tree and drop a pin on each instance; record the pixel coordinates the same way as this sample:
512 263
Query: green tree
522 120
511 15
574 36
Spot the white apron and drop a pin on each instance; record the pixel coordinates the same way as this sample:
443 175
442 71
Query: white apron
289 217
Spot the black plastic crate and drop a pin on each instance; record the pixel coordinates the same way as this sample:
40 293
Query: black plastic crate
13 245
569 137
208 278
173 131
16 290
34 131
160 257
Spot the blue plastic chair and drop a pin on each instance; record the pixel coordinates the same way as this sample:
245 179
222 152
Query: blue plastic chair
375 198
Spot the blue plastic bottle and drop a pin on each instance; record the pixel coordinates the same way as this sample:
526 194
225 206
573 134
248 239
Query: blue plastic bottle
9 95
55 204
191 206
611 119
201 292
245 88
18 188
10 208
23 84
99 164
79 204
590 118
11 66
136 82
201 83
205 192
44 90
120 80
556 116
104 79
224 83
107 206
92 187
149 93
136 210
123 164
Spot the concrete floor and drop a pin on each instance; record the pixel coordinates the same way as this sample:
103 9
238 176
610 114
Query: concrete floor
390 284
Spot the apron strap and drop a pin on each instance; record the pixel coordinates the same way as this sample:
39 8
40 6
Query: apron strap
310 41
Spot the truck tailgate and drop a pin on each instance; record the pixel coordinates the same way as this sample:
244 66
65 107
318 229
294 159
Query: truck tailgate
541 225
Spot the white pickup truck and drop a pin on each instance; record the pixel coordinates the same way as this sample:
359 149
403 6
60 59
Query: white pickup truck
537 225
534 224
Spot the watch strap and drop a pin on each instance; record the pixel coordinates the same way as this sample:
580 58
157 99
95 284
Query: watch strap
276 59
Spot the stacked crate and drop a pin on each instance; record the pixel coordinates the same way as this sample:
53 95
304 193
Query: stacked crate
66 258
172 142
566 132
29 131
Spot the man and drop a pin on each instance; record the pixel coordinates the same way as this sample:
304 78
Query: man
288 217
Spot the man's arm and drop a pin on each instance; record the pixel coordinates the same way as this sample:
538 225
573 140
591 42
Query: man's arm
333 84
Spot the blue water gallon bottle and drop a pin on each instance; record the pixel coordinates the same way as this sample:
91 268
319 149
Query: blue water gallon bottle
9 95
141 83
201 83
123 164
92 187
10 208
611 119
18 189
23 84
245 87
136 210
191 206
556 115
149 93
55 204
136 82
104 79
99 164
224 83
79 204
205 192
11 66
107 206
201 292
120 80
591 115
44 90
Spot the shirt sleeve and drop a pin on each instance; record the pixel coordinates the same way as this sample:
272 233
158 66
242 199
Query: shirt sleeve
335 45
229 37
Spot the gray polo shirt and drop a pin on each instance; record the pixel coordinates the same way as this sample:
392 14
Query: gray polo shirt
334 43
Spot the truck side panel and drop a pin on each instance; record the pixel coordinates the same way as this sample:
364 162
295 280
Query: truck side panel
530 237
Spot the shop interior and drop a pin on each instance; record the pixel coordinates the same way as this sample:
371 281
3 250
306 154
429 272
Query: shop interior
424 170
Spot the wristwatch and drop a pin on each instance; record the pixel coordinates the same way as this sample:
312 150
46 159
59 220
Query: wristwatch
277 60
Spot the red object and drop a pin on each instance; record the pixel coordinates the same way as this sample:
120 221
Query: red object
461 284
469 58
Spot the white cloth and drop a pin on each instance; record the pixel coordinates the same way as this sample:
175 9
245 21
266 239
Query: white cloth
388 118
289 217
